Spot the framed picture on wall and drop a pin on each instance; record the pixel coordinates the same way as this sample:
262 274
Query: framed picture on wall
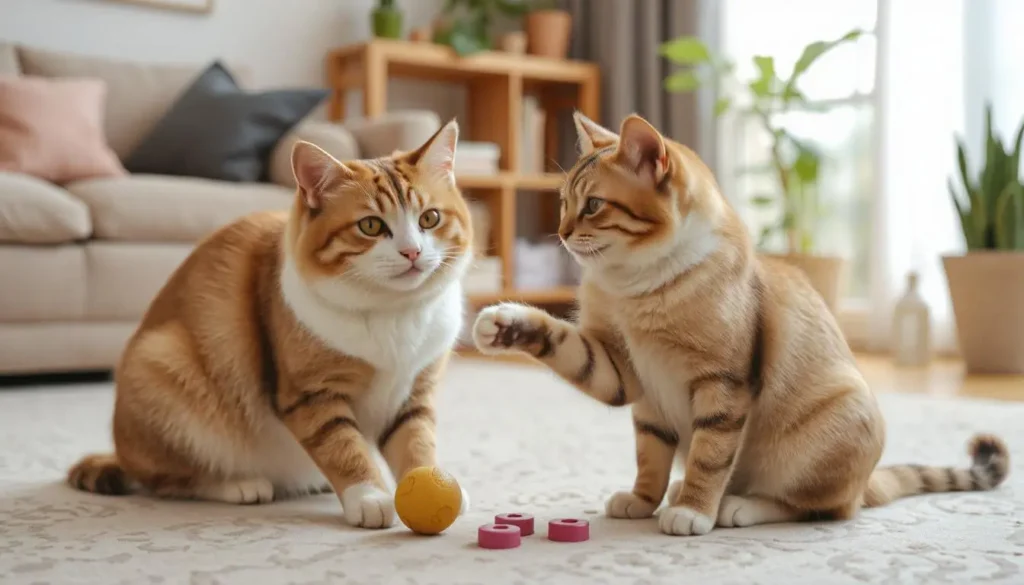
196 6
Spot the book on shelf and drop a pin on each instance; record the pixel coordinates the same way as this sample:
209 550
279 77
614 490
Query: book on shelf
531 145
476 158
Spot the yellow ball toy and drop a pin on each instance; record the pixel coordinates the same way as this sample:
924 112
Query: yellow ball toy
428 499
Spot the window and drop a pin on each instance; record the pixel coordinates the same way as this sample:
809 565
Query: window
839 119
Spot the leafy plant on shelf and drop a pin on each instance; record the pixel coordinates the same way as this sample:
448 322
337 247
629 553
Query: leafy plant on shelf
468 23
794 162
991 208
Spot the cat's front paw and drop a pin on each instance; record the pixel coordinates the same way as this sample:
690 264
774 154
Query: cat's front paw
465 502
684 521
628 505
367 506
511 327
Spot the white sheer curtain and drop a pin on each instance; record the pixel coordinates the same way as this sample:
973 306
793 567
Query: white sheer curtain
939 61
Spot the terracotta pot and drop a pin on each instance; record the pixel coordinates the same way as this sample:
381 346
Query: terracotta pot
547 33
421 34
826 273
987 291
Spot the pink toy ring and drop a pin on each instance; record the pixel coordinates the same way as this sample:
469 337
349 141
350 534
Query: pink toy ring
523 521
569 530
498 536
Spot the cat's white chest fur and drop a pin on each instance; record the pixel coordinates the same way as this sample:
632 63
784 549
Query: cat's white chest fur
397 343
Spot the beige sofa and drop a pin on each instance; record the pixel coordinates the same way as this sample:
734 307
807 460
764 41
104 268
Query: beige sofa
79 263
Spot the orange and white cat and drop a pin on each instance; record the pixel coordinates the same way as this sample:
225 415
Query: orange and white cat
730 361
288 345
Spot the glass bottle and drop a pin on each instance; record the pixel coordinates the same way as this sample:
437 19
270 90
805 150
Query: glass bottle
911 327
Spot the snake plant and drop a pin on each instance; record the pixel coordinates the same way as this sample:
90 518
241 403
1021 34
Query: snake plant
991 207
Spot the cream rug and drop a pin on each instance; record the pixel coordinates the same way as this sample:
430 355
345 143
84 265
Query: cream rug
519 440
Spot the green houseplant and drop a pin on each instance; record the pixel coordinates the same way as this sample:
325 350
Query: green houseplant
795 163
466 25
387 20
986 284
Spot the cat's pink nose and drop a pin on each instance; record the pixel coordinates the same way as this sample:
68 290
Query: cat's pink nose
411 253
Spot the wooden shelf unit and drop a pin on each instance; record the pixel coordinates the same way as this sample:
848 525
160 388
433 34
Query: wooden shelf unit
496 83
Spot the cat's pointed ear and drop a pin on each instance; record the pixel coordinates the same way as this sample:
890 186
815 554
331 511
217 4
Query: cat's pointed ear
437 155
591 135
315 172
642 150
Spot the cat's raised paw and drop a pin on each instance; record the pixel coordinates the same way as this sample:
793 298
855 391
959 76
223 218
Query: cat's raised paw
683 521
510 327
629 505
465 502
367 506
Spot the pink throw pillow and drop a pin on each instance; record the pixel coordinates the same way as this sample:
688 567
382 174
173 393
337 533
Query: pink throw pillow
53 129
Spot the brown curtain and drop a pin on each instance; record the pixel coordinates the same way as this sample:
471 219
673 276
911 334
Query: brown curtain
623 37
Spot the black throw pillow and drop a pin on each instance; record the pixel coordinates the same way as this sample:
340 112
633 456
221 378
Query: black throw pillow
216 130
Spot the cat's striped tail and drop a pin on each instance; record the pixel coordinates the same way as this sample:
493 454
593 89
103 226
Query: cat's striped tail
100 474
989 466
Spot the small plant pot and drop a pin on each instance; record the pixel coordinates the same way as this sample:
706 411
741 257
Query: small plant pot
513 42
387 23
547 33
421 34
826 274
987 292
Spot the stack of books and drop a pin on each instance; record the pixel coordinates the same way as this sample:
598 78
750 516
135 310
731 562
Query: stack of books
476 158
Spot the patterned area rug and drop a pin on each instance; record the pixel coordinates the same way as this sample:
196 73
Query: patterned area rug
518 440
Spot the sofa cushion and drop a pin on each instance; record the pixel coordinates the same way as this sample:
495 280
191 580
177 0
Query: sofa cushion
124 277
8 59
156 208
138 94
53 129
216 130
48 283
33 211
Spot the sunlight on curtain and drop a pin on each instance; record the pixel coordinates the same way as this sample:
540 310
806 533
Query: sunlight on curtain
921 109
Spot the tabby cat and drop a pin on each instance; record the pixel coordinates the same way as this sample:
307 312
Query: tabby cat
730 360
287 345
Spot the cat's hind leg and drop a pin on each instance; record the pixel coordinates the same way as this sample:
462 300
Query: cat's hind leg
740 511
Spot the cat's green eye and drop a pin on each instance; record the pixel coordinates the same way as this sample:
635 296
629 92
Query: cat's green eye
430 219
592 205
372 226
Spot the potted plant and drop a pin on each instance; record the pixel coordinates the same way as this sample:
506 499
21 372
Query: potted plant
465 25
795 163
548 29
387 20
986 284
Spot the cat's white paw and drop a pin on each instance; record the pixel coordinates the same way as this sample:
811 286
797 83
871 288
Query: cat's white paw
502 328
368 506
628 505
739 512
255 490
682 521
465 502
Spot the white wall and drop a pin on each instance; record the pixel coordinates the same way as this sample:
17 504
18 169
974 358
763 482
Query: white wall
283 42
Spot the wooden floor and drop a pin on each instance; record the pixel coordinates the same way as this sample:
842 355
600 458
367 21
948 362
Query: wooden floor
943 377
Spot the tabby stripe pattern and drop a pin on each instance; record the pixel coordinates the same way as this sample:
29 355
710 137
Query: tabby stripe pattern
326 430
667 436
411 414
316 397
